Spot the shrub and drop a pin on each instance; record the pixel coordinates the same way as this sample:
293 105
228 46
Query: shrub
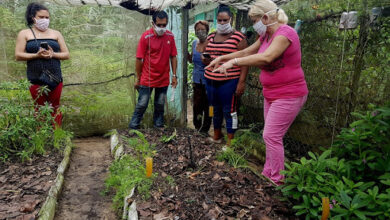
354 173
24 131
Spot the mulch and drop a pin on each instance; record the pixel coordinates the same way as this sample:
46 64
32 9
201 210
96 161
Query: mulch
203 188
24 186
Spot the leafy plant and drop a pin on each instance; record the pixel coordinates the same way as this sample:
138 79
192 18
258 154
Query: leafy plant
366 145
233 158
164 139
170 180
125 174
129 171
25 131
141 146
358 189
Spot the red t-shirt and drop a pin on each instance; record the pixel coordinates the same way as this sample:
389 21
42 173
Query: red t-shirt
155 52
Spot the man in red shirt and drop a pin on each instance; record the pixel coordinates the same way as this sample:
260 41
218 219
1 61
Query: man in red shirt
156 52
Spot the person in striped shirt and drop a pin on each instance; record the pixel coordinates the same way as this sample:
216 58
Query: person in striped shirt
223 89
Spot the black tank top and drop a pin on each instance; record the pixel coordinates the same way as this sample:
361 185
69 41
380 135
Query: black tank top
34 67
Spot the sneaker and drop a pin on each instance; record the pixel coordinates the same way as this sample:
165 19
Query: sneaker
211 140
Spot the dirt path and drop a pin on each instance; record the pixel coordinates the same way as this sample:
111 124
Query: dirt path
84 181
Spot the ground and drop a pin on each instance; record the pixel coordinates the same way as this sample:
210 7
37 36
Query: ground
24 186
82 196
209 190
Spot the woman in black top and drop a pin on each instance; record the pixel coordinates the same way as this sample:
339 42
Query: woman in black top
42 48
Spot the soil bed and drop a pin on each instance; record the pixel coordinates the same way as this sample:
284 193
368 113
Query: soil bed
82 197
24 186
210 190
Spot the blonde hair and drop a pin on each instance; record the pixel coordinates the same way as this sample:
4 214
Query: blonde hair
260 7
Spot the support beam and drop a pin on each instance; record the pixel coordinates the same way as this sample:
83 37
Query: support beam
184 43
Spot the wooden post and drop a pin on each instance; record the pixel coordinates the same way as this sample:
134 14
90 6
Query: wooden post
184 43
358 61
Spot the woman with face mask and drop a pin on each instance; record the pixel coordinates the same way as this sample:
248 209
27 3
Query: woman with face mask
201 118
42 48
278 54
224 88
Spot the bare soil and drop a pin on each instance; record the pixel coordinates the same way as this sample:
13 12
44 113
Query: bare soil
24 186
84 181
203 188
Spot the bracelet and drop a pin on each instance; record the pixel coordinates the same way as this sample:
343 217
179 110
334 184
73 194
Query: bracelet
174 76
235 62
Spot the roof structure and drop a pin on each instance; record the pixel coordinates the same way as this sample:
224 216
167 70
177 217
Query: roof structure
147 5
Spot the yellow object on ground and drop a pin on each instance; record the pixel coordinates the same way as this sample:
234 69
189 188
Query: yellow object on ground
211 111
149 166
325 208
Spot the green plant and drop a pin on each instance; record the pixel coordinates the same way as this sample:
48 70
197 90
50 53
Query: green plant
141 146
170 180
357 185
311 179
366 144
23 130
165 139
125 174
233 158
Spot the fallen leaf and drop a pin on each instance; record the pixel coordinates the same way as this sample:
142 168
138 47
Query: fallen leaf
144 205
226 179
163 174
205 206
47 173
160 216
144 213
193 175
29 207
216 177
3 179
242 213
180 159
26 217
218 163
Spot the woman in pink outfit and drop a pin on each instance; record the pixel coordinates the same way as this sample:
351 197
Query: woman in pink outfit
277 53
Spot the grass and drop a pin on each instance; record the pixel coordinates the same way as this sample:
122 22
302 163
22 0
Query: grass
129 171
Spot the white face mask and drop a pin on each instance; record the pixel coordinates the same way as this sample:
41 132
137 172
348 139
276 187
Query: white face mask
261 28
224 28
42 24
159 30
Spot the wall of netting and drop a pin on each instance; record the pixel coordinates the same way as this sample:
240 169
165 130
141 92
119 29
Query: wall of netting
102 42
346 70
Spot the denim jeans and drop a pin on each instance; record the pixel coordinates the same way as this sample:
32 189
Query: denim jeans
221 96
144 94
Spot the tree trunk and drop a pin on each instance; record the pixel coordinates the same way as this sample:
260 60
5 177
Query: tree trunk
358 61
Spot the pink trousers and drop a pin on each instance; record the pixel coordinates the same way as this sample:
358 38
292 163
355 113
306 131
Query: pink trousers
278 116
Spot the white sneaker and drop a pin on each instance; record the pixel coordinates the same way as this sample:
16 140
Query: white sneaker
212 141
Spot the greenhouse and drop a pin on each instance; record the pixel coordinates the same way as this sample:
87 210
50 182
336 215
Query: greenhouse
194 109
